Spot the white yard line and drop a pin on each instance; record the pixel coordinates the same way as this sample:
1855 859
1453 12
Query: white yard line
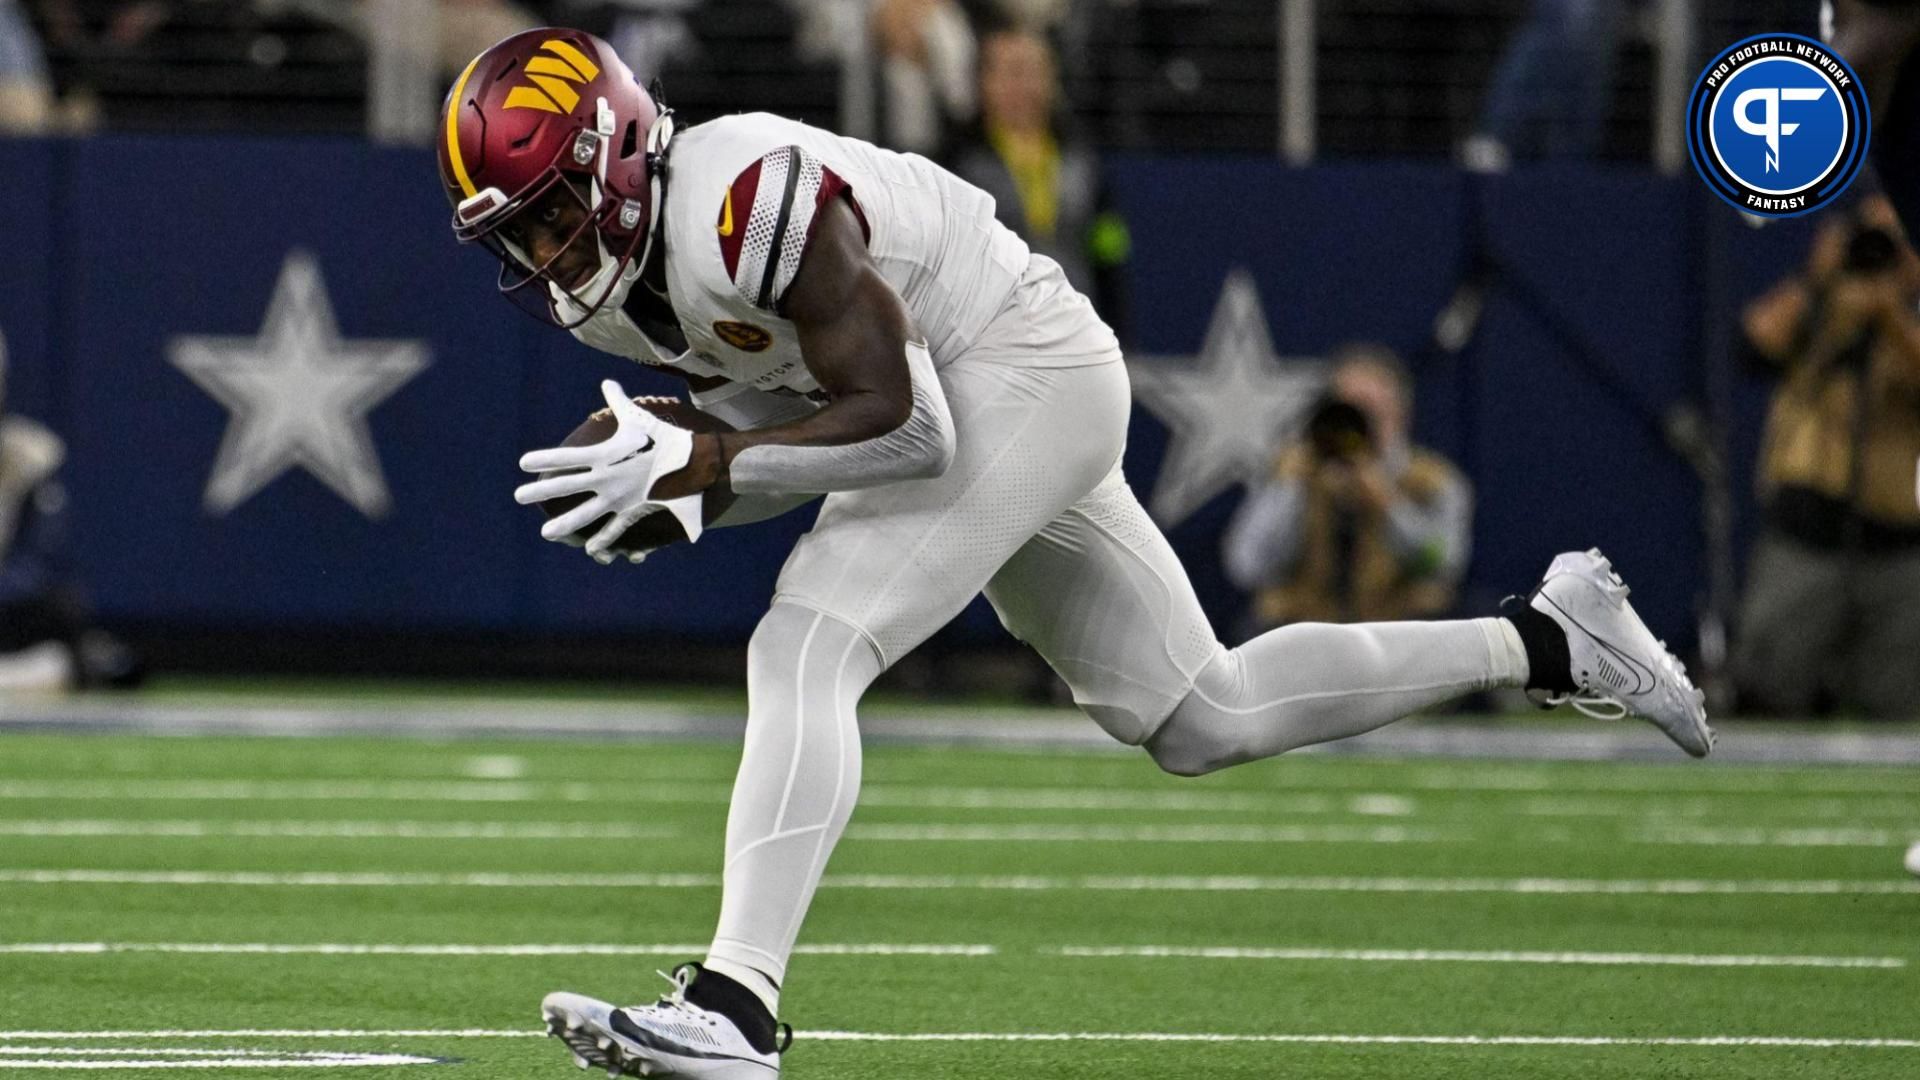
1459 956
333 1061
210 790
1653 808
1158 834
1655 832
1375 1040
101 948
1767 1041
1030 883
949 798
71 828
1779 837
104 1051
1019 832
101 1059
177 1034
1083 952
1871 802
1671 781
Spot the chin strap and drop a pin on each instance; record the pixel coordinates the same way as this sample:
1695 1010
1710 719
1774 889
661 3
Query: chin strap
658 136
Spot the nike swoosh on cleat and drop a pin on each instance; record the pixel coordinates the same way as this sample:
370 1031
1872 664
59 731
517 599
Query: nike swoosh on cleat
633 1032
1643 677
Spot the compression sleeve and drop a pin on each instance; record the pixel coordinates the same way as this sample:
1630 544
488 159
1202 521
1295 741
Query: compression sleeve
919 449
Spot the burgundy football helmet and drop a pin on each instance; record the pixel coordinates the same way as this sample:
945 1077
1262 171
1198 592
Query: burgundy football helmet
546 107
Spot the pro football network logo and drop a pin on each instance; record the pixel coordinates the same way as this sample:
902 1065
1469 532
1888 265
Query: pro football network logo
1778 125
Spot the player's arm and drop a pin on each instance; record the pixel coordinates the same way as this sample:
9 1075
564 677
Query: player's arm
885 419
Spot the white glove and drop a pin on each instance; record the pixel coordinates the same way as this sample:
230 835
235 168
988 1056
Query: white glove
618 473
606 558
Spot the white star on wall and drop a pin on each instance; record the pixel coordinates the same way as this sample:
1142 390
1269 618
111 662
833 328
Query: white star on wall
299 396
1229 410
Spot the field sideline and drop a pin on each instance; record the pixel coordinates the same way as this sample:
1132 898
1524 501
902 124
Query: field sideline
259 907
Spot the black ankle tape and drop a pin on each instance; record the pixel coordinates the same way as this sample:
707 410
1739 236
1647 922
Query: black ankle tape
1549 666
715 992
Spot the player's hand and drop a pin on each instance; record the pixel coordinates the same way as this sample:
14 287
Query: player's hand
702 471
618 476
608 558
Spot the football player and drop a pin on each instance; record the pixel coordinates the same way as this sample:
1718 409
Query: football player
875 335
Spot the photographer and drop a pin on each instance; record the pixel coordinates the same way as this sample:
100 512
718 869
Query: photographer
47 638
1832 607
1356 523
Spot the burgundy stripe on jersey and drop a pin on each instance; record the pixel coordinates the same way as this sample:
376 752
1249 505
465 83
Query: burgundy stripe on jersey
769 216
739 201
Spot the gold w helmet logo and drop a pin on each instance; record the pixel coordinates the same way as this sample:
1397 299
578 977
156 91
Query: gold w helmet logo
551 78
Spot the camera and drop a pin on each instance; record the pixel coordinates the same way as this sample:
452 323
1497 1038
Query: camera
1871 250
1339 431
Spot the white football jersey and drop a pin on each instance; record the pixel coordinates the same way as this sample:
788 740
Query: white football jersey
742 193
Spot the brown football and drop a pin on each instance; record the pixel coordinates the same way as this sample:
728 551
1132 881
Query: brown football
654 530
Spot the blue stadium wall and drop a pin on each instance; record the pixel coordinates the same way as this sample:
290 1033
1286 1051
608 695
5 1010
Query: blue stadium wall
116 246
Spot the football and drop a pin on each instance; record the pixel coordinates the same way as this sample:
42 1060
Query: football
654 530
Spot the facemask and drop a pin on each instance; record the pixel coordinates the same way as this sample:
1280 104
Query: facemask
592 289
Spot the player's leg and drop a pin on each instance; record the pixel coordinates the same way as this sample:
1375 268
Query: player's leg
1100 594
879 572
799 775
1102 597
798 779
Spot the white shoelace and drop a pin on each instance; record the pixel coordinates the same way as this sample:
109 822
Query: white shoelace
1601 705
1590 703
681 978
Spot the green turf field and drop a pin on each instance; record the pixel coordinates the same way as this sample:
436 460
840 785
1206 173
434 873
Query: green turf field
203 902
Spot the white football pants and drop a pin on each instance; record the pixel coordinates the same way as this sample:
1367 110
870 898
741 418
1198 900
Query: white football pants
1034 511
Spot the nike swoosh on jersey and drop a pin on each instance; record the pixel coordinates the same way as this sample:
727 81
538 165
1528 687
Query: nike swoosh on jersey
726 214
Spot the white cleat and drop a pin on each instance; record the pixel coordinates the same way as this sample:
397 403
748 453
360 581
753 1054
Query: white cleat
669 1039
1616 660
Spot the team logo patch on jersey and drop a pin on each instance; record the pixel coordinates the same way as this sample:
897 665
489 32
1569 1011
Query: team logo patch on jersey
743 336
1778 125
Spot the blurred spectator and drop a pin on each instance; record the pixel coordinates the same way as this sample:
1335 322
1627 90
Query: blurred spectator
1832 607
46 640
926 52
186 65
26 93
649 34
106 26
469 27
1047 184
464 29
1551 93
1356 523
